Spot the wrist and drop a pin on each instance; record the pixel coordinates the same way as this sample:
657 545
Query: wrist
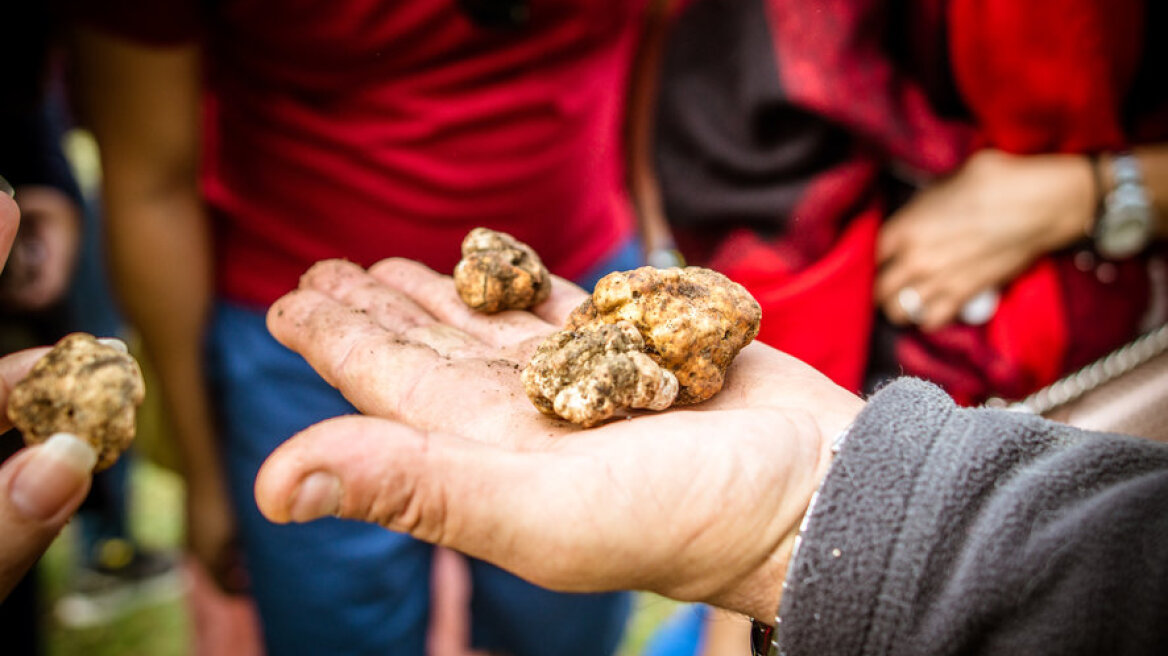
1084 191
766 625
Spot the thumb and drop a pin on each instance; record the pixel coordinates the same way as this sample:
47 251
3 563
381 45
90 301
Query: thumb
40 488
479 499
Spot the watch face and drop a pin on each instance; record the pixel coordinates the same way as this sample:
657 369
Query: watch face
1126 225
1125 232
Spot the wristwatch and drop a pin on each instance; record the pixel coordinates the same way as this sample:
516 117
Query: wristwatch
1125 223
762 640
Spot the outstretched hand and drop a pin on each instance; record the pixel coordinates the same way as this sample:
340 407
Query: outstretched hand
697 503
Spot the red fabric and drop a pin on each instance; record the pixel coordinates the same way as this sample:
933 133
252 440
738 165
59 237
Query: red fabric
821 313
1037 341
367 128
1047 75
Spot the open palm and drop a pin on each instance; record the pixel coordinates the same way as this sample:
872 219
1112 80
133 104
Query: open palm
697 503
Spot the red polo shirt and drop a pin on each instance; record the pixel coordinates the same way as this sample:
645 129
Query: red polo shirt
372 128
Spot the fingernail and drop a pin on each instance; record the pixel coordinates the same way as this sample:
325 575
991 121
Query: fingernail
319 496
7 188
115 343
52 476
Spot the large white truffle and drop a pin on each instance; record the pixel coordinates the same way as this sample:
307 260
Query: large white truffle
83 387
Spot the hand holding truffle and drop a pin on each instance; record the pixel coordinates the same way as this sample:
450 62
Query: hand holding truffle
451 451
41 486
75 406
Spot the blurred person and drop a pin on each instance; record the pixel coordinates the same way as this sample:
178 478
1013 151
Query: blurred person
241 141
45 251
904 523
925 158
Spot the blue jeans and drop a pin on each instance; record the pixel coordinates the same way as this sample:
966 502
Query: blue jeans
341 587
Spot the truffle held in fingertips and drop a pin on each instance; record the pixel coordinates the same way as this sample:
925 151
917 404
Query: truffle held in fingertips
83 387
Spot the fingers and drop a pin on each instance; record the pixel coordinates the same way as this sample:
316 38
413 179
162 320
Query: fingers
927 303
369 364
436 294
9 220
922 282
351 286
409 299
932 304
930 289
40 488
388 374
13 368
890 241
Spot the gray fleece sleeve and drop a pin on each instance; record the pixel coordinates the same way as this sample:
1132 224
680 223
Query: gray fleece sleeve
944 530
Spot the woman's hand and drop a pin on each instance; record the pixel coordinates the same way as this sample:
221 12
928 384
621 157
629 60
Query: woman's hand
978 229
695 503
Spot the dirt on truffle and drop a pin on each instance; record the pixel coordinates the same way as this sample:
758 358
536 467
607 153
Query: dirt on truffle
498 272
694 321
589 374
690 323
83 387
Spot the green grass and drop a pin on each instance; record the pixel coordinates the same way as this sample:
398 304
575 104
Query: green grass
649 612
164 629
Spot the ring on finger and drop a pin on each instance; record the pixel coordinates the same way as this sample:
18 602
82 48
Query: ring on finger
910 302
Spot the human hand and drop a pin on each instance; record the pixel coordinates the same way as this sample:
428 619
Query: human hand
697 503
978 229
40 487
9 220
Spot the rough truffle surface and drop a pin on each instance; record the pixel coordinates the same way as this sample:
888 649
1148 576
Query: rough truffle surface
498 272
588 374
693 320
83 387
